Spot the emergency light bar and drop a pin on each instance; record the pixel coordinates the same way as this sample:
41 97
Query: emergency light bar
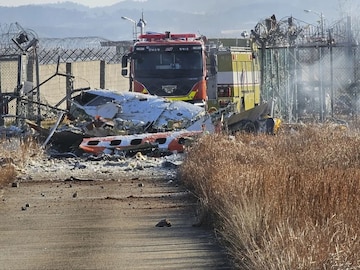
167 35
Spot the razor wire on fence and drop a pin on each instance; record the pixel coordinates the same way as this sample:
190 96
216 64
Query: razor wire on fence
82 49
14 40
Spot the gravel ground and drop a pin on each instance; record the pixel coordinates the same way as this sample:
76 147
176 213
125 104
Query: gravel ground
103 213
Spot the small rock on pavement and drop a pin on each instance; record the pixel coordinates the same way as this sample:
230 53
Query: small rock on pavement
163 223
78 165
15 184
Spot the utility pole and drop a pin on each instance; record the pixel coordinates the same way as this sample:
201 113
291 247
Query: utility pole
322 21
134 26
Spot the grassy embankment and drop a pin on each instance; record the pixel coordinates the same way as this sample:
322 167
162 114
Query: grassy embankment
289 201
14 155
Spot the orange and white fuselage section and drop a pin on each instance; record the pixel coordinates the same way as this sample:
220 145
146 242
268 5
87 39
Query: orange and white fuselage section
163 141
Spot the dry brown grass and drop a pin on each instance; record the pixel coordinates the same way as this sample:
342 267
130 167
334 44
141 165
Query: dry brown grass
14 155
289 201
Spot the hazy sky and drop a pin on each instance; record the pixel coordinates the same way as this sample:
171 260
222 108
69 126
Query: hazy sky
89 3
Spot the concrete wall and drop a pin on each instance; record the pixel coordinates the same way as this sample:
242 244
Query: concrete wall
114 79
53 82
54 89
87 74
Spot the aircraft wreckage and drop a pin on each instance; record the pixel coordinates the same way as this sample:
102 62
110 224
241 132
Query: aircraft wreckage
102 121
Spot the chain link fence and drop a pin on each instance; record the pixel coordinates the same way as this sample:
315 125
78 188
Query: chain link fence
312 82
310 75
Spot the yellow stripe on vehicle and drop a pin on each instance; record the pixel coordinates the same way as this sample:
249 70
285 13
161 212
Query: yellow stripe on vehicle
188 97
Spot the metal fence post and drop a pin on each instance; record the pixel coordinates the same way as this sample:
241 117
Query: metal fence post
102 74
69 85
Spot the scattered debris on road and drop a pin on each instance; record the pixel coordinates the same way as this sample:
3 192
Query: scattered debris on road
163 223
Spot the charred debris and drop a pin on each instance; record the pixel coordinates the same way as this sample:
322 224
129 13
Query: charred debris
99 121
102 121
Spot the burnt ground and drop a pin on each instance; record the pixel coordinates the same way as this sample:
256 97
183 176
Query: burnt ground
76 214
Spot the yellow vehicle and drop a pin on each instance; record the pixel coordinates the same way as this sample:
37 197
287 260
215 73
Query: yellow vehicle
234 86
235 79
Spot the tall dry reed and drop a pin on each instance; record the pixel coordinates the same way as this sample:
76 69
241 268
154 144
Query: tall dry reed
15 154
289 201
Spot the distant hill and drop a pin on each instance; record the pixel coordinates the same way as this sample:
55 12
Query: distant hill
213 18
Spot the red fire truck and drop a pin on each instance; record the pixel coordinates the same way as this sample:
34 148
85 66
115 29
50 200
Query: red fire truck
168 65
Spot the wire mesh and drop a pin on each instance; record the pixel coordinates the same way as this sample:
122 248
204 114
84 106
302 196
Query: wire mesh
312 75
316 82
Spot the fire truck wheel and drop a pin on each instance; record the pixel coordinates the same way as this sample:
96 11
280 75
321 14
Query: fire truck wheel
250 127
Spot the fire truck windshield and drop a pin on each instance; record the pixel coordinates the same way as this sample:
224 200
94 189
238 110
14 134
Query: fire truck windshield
168 64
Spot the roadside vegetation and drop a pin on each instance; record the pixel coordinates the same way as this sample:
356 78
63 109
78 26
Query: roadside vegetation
289 201
14 155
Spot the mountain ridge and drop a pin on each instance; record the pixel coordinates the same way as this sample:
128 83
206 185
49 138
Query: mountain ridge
226 19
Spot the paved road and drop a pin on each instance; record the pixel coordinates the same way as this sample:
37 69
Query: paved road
103 224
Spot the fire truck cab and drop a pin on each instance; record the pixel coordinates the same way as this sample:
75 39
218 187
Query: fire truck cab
168 65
